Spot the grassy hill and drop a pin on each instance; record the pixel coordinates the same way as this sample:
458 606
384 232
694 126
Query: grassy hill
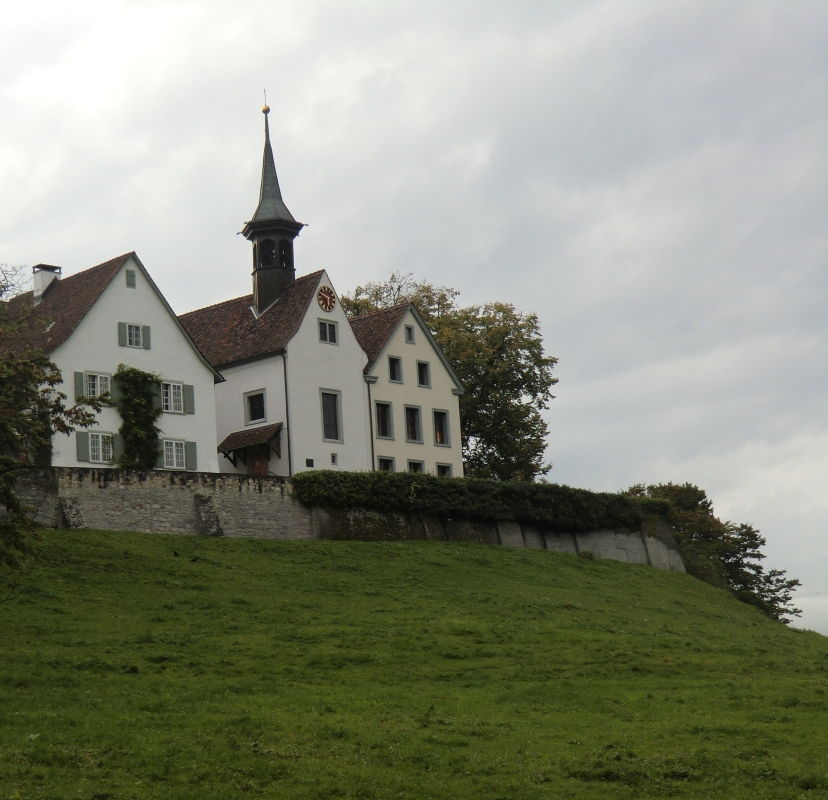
395 670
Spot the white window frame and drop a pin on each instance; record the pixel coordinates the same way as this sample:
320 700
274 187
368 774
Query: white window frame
427 365
98 444
419 411
409 334
338 396
328 325
399 361
99 377
377 404
168 397
420 471
132 327
435 411
172 451
246 396
449 467
386 458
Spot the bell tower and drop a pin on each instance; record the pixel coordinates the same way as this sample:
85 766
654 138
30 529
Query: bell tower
271 231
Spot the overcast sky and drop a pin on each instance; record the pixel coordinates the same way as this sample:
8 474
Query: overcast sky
650 178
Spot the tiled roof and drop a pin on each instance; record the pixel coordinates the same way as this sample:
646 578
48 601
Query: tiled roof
229 332
373 330
250 438
65 303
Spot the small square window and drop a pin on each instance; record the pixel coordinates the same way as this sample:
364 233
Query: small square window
385 428
441 428
423 374
172 397
309 462
395 369
130 279
174 454
416 466
413 426
327 332
409 334
254 407
134 335
385 464
444 470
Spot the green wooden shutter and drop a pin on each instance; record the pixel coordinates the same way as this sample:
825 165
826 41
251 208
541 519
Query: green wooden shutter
82 445
122 334
159 463
115 388
191 461
156 395
145 337
189 399
80 388
117 447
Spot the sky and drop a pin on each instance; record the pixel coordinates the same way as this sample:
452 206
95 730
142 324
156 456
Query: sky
649 178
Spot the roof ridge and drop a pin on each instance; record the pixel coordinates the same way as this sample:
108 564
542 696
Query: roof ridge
216 305
358 317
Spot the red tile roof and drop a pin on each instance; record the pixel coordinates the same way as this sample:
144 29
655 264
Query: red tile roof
250 437
65 303
229 332
373 330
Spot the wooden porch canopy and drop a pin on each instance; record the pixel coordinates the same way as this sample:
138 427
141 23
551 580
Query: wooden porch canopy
235 444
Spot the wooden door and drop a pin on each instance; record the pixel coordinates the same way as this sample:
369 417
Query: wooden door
258 459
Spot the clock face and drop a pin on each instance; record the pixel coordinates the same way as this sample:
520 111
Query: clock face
326 298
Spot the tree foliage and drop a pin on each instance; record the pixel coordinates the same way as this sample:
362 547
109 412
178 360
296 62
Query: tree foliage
497 352
31 411
724 554
139 409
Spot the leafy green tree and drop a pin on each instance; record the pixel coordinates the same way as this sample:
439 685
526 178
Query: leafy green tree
31 411
724 554
497 352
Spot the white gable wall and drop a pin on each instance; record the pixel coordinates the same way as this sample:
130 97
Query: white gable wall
93 347
439 397
313 366
266 374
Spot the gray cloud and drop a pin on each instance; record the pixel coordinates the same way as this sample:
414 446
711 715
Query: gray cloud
649 178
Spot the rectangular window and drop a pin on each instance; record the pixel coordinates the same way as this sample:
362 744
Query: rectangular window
327 332
174 454
423 374
385 428
100 447
441 428
409 334
385 464
330 416
172 397
309 462
444 470
134 335
416 466
413 428
333 459
130 278
395 369
254 407
96 384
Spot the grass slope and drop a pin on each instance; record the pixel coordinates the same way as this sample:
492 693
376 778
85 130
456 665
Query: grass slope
395 670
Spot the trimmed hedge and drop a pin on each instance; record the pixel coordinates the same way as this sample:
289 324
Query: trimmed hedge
548 505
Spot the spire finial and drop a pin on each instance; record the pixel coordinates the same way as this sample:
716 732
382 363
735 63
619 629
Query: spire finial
265 107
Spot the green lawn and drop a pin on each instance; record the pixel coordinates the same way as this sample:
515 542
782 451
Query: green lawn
394 670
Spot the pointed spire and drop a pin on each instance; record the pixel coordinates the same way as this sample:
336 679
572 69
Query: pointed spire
271 206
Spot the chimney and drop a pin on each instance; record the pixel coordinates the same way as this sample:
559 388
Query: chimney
42 277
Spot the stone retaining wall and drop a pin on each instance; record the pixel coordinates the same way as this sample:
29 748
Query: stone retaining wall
216 504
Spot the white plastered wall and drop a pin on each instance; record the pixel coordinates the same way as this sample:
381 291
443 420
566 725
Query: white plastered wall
265 375
313 366
439 397
93 347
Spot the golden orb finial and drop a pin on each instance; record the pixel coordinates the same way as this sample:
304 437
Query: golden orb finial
265 109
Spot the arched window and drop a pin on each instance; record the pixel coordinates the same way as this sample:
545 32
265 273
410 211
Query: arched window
267 253
286 253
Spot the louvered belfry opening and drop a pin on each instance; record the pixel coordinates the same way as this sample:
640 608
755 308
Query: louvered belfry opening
271 231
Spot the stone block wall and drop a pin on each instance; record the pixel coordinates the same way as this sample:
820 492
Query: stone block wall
263 506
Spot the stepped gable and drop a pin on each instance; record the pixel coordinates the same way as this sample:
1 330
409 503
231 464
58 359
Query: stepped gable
373 330
65 303
229 332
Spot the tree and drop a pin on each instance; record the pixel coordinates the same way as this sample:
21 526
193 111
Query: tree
497 352
724 554
31 411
